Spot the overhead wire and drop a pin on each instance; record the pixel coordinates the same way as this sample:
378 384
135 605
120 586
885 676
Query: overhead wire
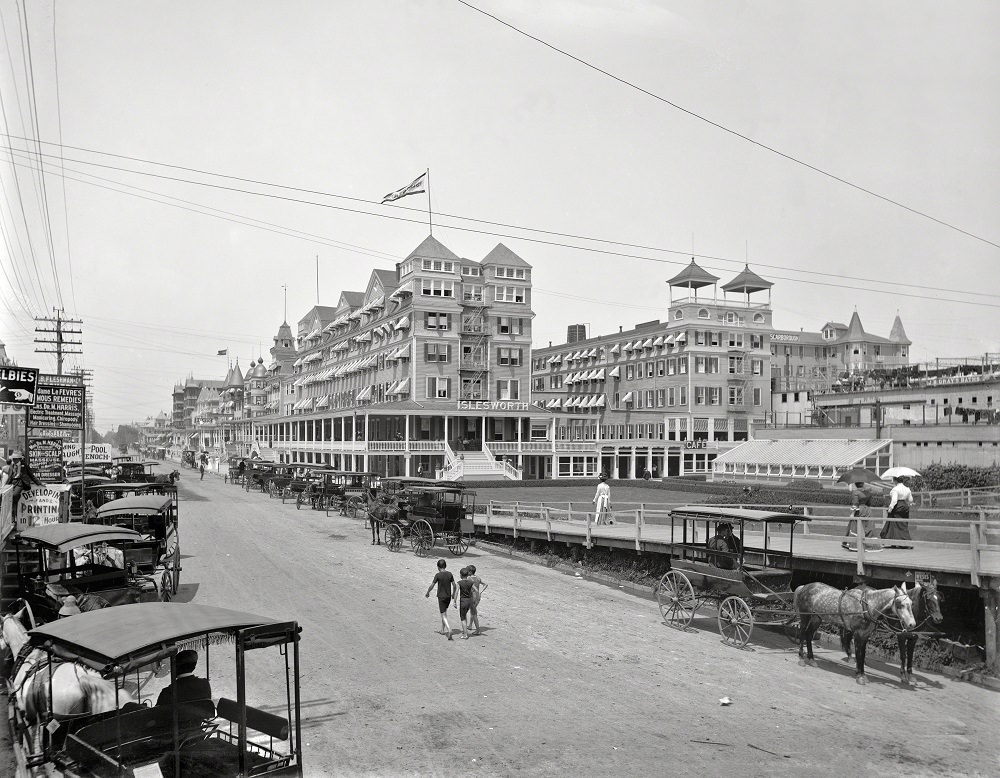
895 283
736 133
55 61
44 197
894 290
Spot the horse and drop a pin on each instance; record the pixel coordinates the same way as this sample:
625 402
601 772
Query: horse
858 610
926 605
76 690
167 479
384 511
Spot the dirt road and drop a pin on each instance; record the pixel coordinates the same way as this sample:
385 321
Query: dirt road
569 678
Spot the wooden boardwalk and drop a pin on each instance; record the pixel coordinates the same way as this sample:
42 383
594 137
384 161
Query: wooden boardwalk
952 564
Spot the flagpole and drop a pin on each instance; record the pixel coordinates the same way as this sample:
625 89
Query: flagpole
430 218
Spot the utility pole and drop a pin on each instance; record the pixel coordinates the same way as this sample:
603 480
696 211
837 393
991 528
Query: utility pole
87 378
62 328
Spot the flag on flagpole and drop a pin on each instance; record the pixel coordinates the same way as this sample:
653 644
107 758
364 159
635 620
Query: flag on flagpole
223 352
417 186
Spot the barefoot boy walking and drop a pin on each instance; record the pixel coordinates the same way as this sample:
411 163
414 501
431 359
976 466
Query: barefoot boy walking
446 592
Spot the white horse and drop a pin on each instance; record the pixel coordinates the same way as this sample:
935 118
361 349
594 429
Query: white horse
76 690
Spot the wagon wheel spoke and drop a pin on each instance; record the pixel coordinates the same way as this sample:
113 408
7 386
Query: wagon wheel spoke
676 599
458 544
735 621
393 537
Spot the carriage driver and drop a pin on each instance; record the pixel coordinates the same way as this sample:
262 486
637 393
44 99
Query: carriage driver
727 542
193 694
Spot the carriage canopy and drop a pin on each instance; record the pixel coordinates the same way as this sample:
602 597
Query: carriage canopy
137 504
118 639
716 513
61 538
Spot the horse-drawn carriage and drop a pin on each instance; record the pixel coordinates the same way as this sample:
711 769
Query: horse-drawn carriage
259 475
154 517
104 664
746 575
189 458
236 469
355 490
426 515
96 565
136 472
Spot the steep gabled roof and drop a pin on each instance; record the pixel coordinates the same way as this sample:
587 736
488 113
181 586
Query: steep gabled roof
501 255
693 277
432 248
350 300
897 334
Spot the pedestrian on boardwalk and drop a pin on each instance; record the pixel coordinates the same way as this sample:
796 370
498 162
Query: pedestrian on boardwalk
477 593
602 501
467 592
446 592
861 511
900 499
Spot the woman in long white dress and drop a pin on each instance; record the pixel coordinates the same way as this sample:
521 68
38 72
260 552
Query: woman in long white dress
602 501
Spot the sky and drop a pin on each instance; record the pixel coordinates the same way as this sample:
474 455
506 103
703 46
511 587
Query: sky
200 156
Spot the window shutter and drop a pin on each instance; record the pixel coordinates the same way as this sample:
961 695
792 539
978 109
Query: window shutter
520 354
447 353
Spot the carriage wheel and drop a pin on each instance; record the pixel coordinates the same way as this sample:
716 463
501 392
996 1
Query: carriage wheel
735 621
165 587
352 506
176 566
458 544
676 598
421 537
393 537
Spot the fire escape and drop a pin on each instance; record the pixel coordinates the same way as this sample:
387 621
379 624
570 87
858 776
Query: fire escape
740 378
475 335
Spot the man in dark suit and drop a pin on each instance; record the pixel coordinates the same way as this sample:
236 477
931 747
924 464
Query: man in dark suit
193 695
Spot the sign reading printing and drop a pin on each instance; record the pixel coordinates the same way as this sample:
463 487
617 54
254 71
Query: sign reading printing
96 452
41 505
45 456
57 407
18 385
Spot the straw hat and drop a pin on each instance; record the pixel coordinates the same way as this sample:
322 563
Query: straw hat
69 607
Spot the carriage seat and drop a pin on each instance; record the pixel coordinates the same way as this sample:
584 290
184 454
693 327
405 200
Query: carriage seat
132 738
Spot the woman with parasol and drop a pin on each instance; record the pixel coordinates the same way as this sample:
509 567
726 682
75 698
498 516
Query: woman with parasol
861 511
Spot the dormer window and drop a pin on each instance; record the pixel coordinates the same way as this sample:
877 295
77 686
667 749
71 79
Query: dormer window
703 313
678 314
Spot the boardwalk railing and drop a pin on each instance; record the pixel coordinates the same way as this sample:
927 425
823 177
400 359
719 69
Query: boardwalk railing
952 498
981 527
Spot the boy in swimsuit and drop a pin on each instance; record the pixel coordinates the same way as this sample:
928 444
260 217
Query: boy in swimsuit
465 604
446 591
477 593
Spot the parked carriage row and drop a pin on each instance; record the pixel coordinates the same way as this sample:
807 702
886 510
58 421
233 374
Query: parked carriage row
423 511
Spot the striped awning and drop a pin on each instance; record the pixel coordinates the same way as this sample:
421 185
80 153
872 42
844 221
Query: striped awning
316 355
616 372
403 289
364 394
403 323
323 402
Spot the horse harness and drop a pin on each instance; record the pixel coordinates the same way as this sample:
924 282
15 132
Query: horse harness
873 616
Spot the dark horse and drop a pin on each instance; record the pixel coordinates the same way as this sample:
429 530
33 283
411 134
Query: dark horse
859 610
167 479
926 605
382 512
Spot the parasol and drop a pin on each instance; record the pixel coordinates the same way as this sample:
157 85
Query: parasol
900 472
858 475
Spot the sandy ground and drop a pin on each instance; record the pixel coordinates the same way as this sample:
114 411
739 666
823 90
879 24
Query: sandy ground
570 677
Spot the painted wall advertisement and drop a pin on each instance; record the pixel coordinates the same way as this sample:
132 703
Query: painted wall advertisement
41 505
